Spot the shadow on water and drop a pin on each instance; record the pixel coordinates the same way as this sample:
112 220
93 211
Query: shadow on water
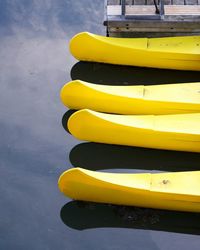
96 156
85 215
65 119
124 75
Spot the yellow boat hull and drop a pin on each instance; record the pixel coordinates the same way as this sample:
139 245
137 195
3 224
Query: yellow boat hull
172 132
155 99
182 53
171 191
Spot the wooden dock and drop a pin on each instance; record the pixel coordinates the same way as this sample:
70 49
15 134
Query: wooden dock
149 18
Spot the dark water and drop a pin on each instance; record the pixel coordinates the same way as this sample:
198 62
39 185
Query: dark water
35 148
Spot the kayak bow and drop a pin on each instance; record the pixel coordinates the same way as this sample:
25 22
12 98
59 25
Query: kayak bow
172 191
182 53
172 132
155 99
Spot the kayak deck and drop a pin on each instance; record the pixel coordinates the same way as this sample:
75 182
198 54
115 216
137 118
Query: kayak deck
172 132
173 191
182 53
155 99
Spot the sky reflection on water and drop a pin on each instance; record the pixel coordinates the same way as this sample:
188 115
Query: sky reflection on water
35 62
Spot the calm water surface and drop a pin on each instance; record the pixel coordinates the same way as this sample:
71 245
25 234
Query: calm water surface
35 148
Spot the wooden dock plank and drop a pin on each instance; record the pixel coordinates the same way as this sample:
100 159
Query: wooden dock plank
113 2
129 2
191 2
182 10
151 2
137 10
139 2
178 2
115 10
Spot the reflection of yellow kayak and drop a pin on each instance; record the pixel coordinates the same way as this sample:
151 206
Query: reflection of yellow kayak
181 53
156 99
173 191
174 132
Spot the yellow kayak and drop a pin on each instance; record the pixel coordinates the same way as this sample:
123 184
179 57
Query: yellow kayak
182 53
173 132
155 99
171 191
